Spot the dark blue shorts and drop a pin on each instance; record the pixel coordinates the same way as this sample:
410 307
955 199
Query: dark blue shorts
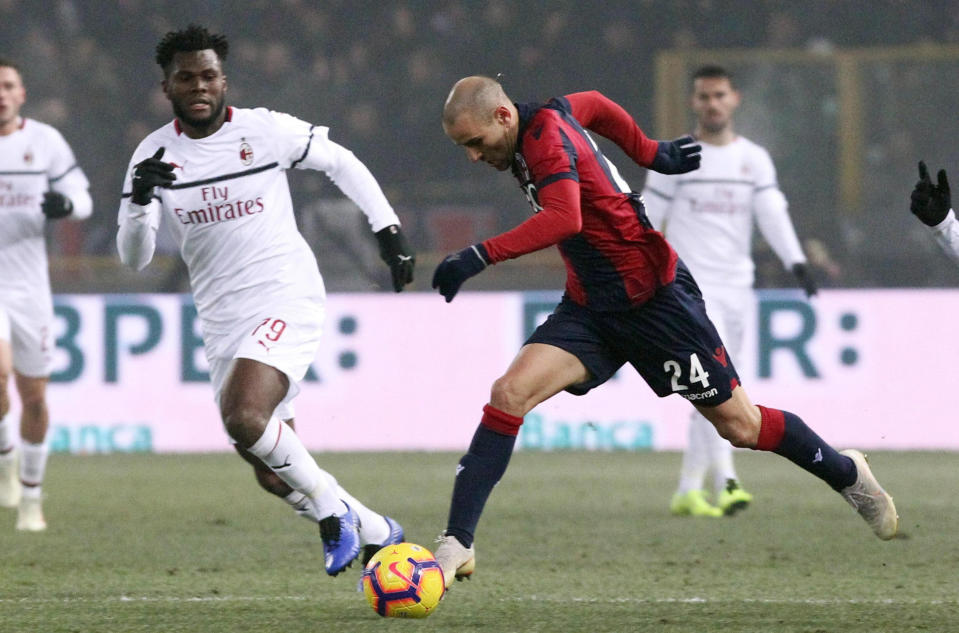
669 340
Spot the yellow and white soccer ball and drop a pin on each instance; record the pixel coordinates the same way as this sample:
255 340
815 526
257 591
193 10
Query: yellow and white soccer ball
403 581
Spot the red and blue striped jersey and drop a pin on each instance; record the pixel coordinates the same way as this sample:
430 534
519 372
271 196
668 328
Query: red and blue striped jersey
614 258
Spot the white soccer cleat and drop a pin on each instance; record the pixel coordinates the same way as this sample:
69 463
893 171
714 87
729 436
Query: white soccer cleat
30 515
9 481
456 561
869 499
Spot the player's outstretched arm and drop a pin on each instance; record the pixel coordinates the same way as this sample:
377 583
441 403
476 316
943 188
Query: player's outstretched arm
931 203
559 218
395 250
457 268
606 117
678 156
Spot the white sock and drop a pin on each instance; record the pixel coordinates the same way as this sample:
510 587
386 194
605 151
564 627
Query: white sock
303 506
33 465
6 436
696 456
280 448
373 527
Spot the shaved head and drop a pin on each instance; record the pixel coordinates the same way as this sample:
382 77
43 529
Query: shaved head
479 117
477 96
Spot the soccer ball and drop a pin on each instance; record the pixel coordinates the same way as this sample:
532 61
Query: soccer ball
403 581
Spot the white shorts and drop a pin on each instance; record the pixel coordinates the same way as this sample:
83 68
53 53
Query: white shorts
285 336
729 308
26 325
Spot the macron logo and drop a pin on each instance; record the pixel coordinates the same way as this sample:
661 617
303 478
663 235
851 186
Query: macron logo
460 468
720 355
818 457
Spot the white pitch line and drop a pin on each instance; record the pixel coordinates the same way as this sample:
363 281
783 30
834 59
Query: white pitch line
531 598
727 601
134 599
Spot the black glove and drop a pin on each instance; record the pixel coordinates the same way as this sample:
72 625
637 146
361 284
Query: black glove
457 268
805 279
930 203
677 157
55 205
149 173
396 252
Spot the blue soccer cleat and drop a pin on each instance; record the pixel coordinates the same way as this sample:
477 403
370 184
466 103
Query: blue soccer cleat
396 536
341 540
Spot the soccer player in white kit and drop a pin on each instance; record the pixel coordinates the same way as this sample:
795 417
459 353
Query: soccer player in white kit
707 215
39 181
216 175
932 204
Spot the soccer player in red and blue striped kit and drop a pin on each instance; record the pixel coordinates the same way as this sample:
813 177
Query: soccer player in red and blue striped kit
629 299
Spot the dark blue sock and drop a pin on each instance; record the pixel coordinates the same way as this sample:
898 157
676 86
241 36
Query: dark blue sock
803 447
477 473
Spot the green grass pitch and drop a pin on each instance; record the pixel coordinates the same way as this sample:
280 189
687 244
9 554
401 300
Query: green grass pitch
569 542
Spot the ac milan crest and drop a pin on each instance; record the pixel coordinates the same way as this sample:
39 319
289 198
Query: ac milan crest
246 153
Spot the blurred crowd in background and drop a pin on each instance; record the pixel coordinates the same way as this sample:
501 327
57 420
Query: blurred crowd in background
377 73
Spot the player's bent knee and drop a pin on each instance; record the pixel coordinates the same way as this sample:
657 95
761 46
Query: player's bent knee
741 438
508 395
244 424
740 433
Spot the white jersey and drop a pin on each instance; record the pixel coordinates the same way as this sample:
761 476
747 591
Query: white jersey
231 215
33 159
947 234
707 214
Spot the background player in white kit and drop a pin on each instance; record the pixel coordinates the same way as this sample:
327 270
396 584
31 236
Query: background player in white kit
707 216
932 204
39 181
217 177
